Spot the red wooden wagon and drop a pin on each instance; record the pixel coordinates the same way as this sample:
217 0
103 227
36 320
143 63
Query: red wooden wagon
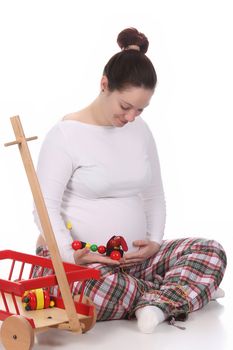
17 331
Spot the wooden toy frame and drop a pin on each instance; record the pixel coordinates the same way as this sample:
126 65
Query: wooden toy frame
78 314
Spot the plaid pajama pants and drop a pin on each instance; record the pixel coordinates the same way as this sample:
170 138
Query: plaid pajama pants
179 279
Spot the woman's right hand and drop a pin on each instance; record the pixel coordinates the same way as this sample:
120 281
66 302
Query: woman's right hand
85 256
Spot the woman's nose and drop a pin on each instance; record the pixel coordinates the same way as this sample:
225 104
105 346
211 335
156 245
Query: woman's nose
131 115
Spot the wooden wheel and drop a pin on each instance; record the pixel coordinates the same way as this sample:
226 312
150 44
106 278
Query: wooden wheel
90 321
17 333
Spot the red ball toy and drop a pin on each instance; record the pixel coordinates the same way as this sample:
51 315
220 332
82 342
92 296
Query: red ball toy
77 245
101 249
115 255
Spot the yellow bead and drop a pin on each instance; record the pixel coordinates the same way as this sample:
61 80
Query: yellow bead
69 225
88 245
52 303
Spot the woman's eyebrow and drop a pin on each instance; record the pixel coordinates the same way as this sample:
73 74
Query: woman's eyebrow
127 103
132 105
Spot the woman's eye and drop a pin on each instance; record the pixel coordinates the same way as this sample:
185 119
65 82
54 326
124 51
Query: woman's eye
125 108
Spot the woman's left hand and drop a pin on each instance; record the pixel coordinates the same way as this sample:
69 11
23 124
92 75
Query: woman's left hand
145 250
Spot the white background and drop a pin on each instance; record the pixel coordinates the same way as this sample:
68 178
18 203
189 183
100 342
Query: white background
52 54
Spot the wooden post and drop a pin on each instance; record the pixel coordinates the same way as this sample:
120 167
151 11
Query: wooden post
74 323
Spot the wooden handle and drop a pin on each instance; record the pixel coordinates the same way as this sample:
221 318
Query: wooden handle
46 225
19 141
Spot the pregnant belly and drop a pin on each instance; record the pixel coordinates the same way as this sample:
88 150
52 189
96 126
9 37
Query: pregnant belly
96 221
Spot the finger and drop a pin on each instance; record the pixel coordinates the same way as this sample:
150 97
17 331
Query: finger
109 261
140 242
132 262
81 256
133 255
134 258
127 265
82 252
102 259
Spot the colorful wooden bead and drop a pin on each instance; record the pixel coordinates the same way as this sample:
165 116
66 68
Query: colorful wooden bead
115 255
94 247
69 225
101 249
77 245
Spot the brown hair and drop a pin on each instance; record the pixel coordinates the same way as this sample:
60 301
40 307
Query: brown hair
130 67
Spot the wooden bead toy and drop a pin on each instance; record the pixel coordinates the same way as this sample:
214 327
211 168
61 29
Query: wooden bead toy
115 248
37 299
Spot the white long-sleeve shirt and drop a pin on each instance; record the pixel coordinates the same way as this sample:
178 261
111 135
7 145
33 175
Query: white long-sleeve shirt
105 180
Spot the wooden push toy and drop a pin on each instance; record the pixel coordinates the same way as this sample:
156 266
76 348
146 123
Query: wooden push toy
47 300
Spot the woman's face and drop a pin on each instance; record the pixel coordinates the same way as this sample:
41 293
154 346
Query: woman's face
124 106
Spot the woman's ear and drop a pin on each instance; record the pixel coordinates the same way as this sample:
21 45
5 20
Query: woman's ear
104 83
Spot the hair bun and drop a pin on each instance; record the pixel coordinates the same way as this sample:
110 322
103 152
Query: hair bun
131 36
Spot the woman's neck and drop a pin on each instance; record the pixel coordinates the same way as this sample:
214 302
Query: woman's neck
96 113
